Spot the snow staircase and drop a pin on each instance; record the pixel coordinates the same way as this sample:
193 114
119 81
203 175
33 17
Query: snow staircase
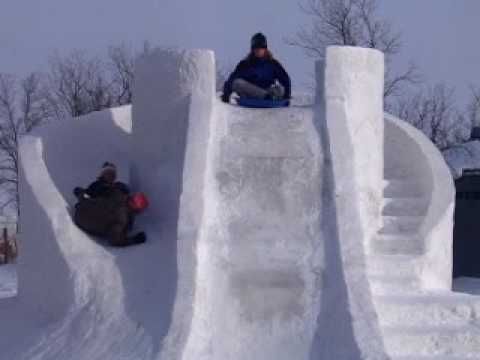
416 323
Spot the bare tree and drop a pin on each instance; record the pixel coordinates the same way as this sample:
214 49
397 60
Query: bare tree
8 140
474 106
78 85
33 105
122 64
22 107
434 112
352 23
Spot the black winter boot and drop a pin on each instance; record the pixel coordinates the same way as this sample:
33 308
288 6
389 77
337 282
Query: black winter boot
139 238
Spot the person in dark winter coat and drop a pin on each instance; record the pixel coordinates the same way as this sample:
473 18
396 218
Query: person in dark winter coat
103 209
256 76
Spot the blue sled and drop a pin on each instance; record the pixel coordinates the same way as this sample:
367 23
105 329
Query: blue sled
261 103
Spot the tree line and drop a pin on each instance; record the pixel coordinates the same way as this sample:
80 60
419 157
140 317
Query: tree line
73 85
78 84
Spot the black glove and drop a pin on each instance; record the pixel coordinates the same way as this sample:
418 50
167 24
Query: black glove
225 98
79 193
139 238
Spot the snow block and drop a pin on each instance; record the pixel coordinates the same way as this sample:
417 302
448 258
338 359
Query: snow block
172 109
174 92
350 107
354 98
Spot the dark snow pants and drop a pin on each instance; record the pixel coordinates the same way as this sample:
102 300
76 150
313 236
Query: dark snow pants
246 89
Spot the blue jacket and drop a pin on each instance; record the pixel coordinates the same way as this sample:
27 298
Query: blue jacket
260 72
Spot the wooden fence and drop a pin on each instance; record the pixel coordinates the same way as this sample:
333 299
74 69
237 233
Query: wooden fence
8 244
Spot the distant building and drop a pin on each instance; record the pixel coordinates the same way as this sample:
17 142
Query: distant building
464 162
466 232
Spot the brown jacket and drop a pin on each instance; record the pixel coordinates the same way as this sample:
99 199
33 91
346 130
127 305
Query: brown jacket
105 216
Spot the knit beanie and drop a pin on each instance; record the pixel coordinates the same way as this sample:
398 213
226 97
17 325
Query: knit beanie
259 41
107 168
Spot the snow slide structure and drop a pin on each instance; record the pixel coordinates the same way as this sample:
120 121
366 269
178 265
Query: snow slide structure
312 232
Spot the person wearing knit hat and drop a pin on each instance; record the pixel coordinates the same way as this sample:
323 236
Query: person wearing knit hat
108 172
259 75
106 208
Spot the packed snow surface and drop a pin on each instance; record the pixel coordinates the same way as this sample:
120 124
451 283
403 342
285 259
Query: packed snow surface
8 281
261 256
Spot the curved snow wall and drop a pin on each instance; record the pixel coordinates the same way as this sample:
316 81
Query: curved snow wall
410 154
62 270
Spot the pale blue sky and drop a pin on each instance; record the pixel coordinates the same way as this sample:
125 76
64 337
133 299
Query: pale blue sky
441 36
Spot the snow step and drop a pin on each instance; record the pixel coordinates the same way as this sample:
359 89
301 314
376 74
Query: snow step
397 265
415 206
396 224
396 244
432 341
428 309
388 285
400 188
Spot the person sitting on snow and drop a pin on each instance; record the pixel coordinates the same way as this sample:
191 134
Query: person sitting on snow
256 75
107 209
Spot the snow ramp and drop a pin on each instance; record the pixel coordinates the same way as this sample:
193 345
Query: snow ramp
255 245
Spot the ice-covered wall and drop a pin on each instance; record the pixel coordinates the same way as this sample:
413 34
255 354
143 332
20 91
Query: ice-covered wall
411 155
172 108
350 103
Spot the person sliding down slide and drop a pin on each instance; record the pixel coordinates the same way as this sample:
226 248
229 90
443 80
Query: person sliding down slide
107 209
256 76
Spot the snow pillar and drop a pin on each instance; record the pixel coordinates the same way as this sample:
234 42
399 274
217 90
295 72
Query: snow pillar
172 109
349 110
172 104
353 81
